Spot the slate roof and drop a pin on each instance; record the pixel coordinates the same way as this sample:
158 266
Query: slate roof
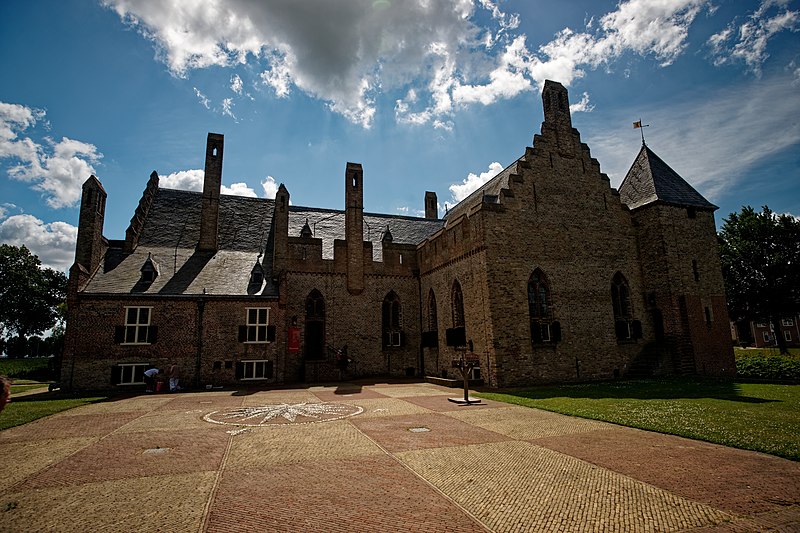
651 180
172 228
328 225
170 235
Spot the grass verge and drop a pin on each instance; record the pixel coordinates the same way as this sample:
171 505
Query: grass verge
26 409
760 417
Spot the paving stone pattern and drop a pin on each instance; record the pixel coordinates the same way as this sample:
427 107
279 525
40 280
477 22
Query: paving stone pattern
152 463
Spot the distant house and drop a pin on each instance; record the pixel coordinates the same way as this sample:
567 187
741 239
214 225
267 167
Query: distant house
546 273
762 334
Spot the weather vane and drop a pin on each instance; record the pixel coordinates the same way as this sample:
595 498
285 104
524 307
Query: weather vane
638 124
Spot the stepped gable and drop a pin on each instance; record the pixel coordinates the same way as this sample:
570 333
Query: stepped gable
491 188
328 225
170 234
651 180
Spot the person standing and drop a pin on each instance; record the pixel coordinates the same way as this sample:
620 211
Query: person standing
173 378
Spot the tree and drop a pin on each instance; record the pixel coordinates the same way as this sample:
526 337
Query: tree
760 254
30 296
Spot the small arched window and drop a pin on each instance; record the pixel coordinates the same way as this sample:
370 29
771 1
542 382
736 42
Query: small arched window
391 320
621 297
540 310
626 328
457 299
538 296
433 320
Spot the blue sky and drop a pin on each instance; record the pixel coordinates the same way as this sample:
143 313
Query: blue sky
426 95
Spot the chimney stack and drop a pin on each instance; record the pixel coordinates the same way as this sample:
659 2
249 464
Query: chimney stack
431 205
89 249
354 226
212 184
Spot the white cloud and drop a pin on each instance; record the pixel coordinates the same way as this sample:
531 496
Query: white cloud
185 180
53 242
278 76
239 189
752 35
192 180
582 106
6 208
270 187
204 101
236 84
472 182
443 54
709 140
227 105
56 168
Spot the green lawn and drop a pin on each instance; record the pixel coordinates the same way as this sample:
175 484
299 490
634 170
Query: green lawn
761 417
16 389
24 368
793 352
24 409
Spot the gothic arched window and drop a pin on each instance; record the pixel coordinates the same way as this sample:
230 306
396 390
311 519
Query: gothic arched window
540 310
621 297
457 300
315 326
626 328
391 320
538 296
433 320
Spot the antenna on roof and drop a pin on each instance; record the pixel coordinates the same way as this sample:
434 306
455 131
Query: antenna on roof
641 126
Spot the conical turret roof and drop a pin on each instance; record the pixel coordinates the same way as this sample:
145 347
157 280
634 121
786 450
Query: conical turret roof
651 180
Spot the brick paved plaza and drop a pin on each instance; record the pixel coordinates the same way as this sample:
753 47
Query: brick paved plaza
373 457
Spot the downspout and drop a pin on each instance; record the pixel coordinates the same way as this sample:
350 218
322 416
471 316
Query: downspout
421 349
198 363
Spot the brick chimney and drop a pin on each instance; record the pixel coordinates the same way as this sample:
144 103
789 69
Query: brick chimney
354 226
89 249
280 226
431 205
209 214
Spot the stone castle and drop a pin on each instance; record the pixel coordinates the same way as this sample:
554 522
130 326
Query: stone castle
545 274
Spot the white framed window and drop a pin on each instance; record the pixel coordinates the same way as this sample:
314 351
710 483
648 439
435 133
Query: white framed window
137 325
257 321
394 338
131 373
788 322
761 324
788 336
545 332
256 369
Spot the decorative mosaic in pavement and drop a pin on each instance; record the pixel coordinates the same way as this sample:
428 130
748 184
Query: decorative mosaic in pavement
298 413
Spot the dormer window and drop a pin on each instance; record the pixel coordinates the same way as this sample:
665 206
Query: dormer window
306 232
387 236
257 274
149 270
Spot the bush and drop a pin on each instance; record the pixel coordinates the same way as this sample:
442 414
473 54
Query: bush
29 368
768 367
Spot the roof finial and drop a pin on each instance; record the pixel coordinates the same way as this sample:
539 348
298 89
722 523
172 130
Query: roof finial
641 126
